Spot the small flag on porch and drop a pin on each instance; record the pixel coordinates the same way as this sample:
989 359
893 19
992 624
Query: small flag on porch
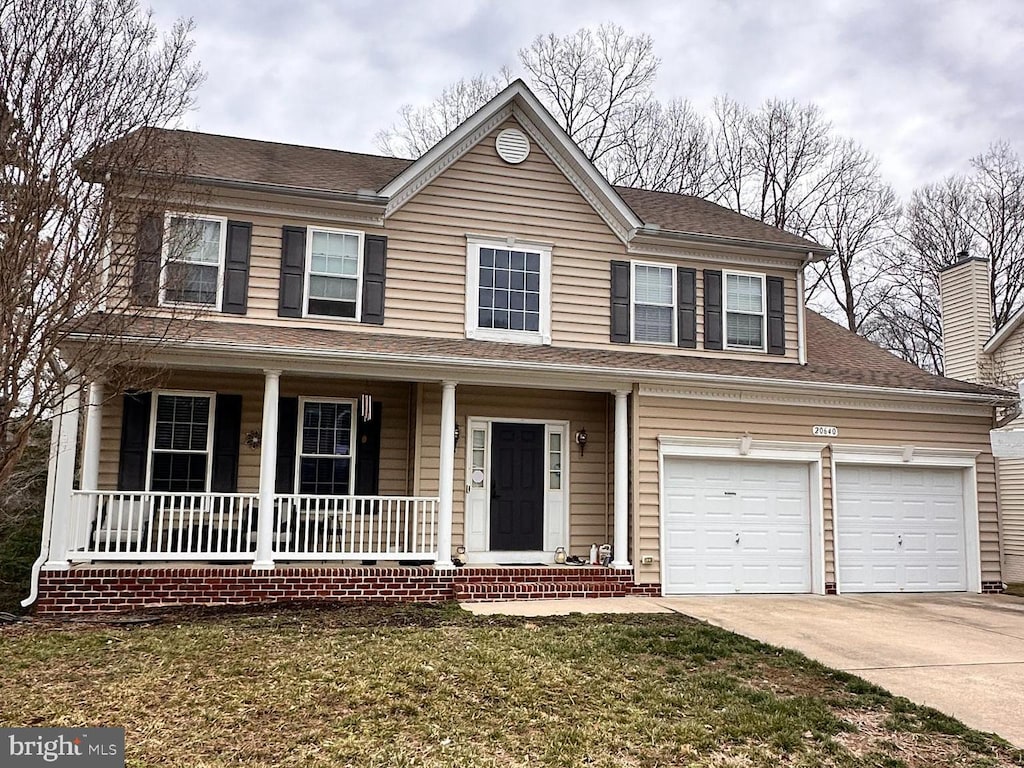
366 407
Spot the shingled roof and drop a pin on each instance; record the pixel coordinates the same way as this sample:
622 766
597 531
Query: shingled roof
230 159
835 355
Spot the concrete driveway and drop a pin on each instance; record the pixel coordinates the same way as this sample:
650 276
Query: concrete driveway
961 654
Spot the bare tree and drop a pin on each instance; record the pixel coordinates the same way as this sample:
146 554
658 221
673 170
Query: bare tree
980 213
857 221
665 148
80 81
420 128
591 80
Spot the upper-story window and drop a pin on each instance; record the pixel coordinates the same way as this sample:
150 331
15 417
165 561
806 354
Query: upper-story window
333 273
744 311
193 260
654 303
508 291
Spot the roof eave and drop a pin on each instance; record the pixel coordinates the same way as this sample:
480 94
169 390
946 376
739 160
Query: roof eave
446 364
816 252
1000 336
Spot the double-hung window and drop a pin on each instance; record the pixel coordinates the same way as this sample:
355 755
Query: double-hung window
333 271
326 447
181 442
654 303
508 291
744 311
193 255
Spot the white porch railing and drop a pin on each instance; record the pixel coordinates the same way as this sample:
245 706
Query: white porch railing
364 527
147 525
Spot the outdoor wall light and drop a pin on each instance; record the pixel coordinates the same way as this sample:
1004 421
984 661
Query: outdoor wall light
254 438
458 434
581 439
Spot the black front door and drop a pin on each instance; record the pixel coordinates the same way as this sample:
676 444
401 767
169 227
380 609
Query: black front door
517 487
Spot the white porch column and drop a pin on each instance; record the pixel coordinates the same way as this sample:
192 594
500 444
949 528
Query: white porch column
621 495
60 477
91 449
447 479
268 473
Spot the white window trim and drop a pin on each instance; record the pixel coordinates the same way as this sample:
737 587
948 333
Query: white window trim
725 311
632 303
473 246
212 397
165 258
351 442
308 268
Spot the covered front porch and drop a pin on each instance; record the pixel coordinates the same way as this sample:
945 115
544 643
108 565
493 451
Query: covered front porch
279 470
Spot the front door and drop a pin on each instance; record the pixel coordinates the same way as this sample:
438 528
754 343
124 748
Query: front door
517 487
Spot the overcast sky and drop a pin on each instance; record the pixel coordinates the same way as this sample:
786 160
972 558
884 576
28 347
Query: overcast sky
925 84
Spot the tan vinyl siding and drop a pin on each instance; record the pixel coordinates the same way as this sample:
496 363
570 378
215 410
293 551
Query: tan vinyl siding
1011 499
686 417
394 398
589 499
1007 363
426 264
966 319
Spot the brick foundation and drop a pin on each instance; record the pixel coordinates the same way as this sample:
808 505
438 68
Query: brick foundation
992 587
91 589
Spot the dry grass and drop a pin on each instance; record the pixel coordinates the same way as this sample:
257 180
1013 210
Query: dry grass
432 686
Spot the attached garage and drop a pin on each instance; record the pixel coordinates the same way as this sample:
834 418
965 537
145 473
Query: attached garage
737 526
901 529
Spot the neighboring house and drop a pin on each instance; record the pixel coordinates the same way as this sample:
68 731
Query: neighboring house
491 353
973 353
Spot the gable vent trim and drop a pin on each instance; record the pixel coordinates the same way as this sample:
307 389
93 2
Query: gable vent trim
512 145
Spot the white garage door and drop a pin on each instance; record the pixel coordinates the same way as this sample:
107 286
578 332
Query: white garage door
900 529
736 526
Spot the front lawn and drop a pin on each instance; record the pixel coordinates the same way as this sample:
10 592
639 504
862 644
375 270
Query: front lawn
435 686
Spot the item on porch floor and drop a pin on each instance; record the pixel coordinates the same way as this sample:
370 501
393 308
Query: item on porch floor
459 558
593 554
605 554
560 555
575 560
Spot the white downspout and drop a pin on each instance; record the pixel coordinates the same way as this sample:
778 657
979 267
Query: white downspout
800 309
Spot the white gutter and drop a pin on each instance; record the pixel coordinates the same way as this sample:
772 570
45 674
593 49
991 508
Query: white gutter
627 375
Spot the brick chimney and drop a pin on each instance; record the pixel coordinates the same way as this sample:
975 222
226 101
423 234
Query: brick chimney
966 308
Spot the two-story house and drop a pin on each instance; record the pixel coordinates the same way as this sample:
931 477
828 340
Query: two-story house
485 355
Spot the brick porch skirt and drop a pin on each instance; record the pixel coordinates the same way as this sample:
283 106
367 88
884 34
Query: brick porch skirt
95 589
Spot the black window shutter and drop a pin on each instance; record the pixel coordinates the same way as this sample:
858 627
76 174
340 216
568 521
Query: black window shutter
148 243
368 454
712 309
293 271
236 268
131 466
686 300
375 251
776 316
227 435
620 302
287 430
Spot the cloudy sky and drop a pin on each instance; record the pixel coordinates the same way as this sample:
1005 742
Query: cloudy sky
924 84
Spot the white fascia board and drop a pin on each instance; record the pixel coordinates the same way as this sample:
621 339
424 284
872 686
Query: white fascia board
516 96
1004 333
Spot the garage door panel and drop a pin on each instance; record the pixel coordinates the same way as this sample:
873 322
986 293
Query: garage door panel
900 529
709 503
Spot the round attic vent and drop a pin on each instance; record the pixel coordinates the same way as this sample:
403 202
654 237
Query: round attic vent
512 145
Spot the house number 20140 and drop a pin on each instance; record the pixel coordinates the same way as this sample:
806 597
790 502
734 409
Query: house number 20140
819 431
